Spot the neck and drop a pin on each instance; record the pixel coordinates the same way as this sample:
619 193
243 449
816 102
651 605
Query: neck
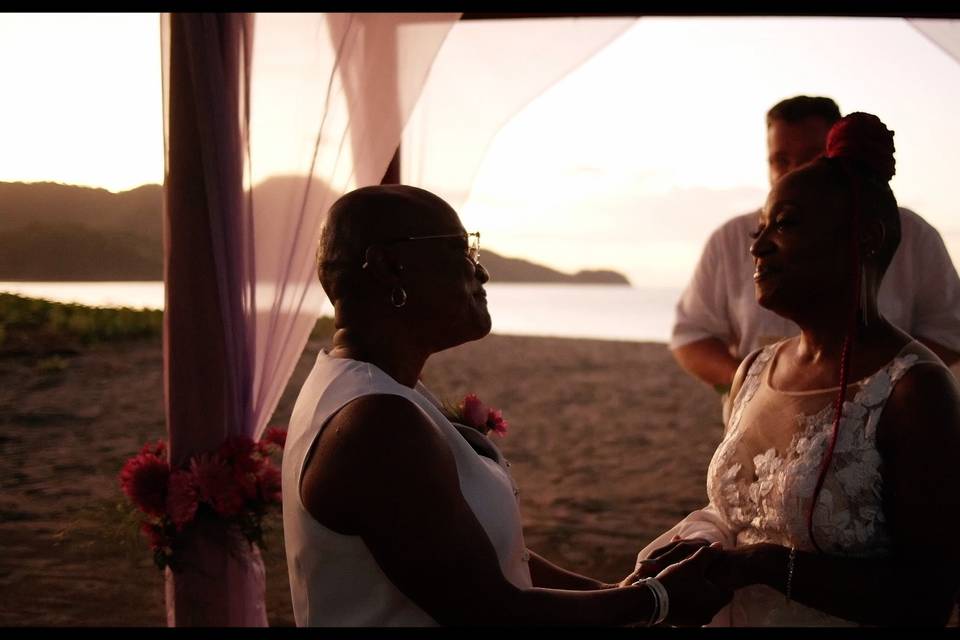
822 338
396 357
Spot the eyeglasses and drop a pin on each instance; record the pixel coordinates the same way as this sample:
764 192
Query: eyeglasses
472 241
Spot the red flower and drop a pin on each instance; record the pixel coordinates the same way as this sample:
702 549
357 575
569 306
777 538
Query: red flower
496 423
270 483
864 138
216 484
473 411
144 480
274 437
236 448
182 498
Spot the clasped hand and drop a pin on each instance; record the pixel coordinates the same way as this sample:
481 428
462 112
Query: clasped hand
696 575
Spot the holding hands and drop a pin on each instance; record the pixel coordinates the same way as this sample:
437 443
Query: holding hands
685 568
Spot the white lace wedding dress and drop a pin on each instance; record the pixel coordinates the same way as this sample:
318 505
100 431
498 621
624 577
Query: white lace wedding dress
763 474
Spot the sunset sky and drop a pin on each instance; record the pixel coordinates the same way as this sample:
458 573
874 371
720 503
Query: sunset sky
627 163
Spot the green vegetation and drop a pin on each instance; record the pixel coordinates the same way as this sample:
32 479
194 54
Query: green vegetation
31 325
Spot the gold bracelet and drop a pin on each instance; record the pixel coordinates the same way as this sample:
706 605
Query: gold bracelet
790 564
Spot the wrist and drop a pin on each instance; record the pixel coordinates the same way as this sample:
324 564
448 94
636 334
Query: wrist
770 565
658 598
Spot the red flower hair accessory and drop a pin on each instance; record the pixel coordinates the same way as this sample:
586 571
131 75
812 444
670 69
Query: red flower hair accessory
864 138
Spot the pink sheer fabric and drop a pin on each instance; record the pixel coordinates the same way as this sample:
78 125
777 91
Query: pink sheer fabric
268 119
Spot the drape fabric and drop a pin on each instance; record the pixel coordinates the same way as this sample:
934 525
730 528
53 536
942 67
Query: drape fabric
486 72
943 32
268 119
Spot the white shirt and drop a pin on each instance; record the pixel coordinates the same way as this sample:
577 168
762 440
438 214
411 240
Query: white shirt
334 579
920 292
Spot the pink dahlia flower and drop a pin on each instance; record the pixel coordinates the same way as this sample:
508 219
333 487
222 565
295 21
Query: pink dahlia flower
182 498
216 485
274 436
144 480
270 482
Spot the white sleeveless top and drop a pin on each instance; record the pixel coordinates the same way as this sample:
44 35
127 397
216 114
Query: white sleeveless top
334 579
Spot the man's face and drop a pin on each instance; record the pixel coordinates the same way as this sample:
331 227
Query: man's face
793 144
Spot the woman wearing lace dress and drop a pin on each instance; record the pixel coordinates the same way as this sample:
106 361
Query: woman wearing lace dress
836 488
392 516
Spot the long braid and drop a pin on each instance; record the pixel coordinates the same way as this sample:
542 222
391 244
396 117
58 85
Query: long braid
847 350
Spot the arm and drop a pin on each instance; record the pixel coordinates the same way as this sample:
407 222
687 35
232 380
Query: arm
919 438
709 360
380 470
701 330
936 294
546 574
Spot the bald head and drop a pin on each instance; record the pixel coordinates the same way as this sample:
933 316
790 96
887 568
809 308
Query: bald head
372 215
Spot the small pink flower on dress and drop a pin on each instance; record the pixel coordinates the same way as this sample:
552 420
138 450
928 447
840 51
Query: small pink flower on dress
144 480
182 498
496 423
473 411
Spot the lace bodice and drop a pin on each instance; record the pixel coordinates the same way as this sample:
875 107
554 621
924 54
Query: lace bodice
763 475
764 492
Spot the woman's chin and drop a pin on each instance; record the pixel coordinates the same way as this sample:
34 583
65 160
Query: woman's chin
484 324
768 300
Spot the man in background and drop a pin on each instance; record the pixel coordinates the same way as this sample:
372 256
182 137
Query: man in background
718 321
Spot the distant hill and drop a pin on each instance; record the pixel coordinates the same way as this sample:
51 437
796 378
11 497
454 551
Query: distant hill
504 269
52 231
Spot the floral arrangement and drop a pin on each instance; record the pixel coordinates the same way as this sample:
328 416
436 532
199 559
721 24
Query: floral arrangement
473 413
237 483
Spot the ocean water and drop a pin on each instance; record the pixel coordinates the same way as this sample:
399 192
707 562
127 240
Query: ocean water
569 311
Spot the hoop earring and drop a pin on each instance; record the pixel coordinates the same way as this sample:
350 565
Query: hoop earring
398 297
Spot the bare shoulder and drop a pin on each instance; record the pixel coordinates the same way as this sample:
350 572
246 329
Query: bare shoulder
365 448
382 418
925 403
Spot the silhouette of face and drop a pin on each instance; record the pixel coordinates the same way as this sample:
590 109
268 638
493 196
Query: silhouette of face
799 249
793 144
444 285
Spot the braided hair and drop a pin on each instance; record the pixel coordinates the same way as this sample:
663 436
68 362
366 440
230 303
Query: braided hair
859 159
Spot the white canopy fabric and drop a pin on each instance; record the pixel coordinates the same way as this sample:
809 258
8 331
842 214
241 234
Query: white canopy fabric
483 75
945 33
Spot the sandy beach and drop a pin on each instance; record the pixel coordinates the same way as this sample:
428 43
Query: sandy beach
609 443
